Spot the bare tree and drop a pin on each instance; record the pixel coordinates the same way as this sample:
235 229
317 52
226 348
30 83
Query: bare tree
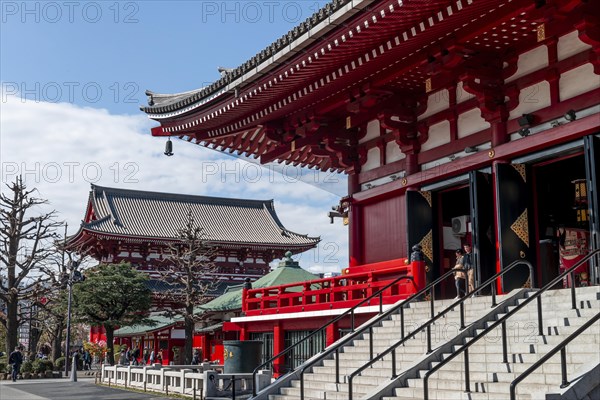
26 244
53 311
192 275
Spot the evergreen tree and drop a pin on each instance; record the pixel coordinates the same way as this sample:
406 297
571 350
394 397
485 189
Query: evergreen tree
112 296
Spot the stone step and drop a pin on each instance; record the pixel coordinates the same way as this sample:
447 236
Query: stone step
377 369
393 336
379 346
543 377
354 357
358 390
581 301
567 292
523 358
440 304
331 386
552 317
486 387
417 394
541 346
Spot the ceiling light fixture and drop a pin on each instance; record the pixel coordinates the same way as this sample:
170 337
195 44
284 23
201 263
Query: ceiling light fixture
570 115
526 120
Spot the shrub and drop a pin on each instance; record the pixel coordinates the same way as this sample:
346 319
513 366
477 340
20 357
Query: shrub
27 367
49 364
40 365
59 363
3 368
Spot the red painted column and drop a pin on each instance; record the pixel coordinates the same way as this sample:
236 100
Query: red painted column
497 223
419 274
278 347
204 347
412 163
356 226
332 334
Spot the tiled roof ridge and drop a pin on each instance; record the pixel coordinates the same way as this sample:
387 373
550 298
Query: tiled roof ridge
189 198
180 100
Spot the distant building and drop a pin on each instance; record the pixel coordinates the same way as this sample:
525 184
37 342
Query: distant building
122 225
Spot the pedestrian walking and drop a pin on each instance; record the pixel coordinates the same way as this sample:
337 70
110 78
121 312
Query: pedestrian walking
15 359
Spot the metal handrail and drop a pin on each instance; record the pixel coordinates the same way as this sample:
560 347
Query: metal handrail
350 312
427 325
563 358
369 326
502 320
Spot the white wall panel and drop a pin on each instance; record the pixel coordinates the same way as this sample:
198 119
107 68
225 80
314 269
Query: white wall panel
471 122
393 152
532 98
373 131
578 81
439 134
530 61
569 45
373 160
436 102
461 93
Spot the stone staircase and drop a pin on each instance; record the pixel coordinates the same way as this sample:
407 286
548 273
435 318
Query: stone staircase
489 376
320 383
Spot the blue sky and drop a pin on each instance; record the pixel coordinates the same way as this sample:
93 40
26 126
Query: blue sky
126 47
73 76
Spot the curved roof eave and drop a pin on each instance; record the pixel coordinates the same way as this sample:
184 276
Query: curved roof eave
162 240
299 37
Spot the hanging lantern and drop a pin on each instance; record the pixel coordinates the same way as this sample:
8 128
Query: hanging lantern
582 216
581 209
580 191
169 148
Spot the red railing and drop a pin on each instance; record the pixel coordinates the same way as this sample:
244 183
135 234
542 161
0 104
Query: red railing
337 292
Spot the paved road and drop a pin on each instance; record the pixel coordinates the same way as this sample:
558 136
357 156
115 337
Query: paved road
64 389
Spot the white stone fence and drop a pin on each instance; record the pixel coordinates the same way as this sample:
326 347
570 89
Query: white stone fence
197 381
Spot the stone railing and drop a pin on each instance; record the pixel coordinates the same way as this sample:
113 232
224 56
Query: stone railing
196 381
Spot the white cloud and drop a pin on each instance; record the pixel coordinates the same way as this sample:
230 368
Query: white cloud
61 148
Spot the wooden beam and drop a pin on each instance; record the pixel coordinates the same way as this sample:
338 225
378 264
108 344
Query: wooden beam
284 149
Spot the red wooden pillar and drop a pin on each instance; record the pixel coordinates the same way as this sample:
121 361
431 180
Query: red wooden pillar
278 347
497 224
412 163
355 222
332 334
204 345
418 273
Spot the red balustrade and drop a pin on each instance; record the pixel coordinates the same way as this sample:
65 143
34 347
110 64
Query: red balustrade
343 291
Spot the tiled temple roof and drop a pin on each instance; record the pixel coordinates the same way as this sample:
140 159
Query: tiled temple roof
143 215
288 271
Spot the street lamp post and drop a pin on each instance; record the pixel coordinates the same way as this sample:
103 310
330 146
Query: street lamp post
74 276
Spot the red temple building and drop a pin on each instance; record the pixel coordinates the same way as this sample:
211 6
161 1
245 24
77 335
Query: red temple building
122 225
455 120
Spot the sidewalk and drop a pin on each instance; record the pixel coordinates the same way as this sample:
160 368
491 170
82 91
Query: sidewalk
64 389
